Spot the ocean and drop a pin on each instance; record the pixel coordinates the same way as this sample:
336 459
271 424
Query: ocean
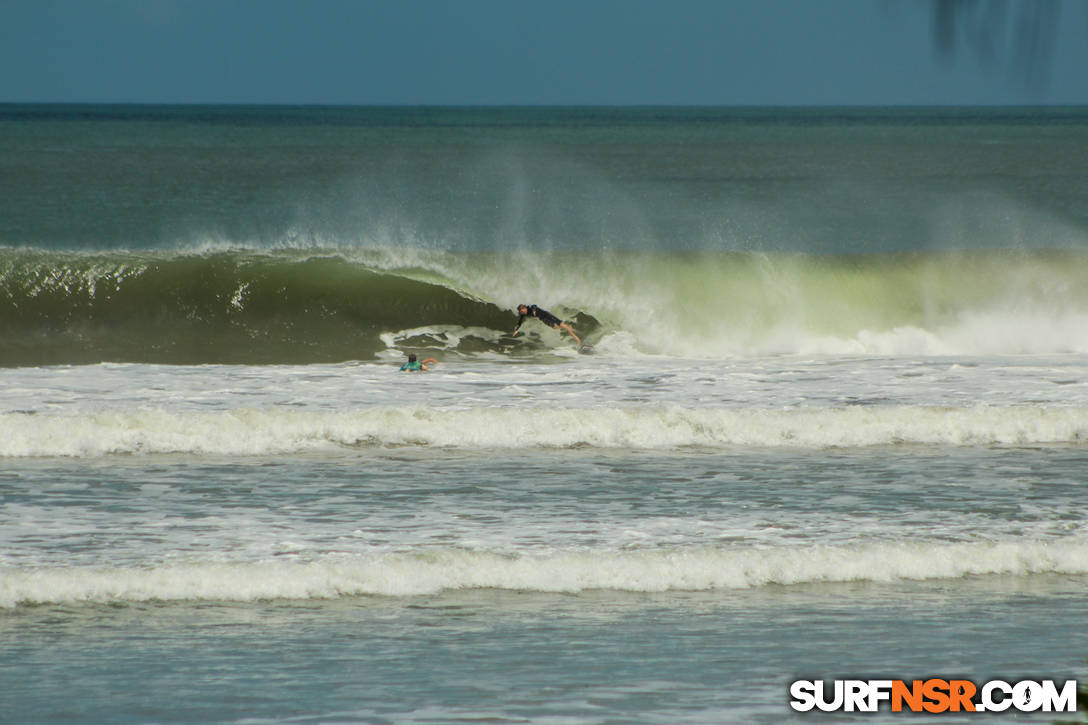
831 422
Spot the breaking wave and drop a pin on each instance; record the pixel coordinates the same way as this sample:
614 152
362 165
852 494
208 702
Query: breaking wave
433 571
314 306
272 431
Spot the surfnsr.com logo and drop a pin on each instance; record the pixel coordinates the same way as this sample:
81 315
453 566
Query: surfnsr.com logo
933 696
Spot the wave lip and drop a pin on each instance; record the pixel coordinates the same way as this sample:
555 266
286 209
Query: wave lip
431 572
274 431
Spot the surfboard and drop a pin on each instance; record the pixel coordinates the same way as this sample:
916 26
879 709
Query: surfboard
586 350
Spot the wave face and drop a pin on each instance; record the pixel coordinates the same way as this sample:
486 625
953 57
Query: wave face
213 308
308 306
277 431
428 572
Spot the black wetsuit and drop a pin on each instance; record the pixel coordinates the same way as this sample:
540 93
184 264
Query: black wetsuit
543 315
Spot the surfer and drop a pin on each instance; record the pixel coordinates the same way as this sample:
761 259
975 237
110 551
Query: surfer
414 365
547 318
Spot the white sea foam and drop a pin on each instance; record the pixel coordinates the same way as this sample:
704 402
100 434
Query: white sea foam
428 572
281 430
724 306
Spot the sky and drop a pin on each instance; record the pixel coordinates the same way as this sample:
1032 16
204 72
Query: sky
545 52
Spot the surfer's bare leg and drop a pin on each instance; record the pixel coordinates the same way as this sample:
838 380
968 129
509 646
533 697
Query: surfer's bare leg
568 328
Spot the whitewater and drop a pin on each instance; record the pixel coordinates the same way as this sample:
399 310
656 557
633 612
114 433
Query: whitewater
832 422
606 404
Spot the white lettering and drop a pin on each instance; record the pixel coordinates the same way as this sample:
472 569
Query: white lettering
1064 701
988 701
821 699
1027 696
856 695
879 691
803 693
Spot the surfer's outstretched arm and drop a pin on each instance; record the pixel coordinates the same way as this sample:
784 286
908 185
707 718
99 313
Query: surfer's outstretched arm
428 360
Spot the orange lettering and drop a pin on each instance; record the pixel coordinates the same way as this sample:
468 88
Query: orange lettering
911 695
961 693
936 691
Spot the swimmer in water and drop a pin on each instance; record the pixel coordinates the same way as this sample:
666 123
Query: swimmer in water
414 365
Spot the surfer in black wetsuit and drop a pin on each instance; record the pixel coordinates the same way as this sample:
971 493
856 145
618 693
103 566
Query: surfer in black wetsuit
547 318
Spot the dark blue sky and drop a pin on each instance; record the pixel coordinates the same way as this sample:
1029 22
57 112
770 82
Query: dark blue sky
699 52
